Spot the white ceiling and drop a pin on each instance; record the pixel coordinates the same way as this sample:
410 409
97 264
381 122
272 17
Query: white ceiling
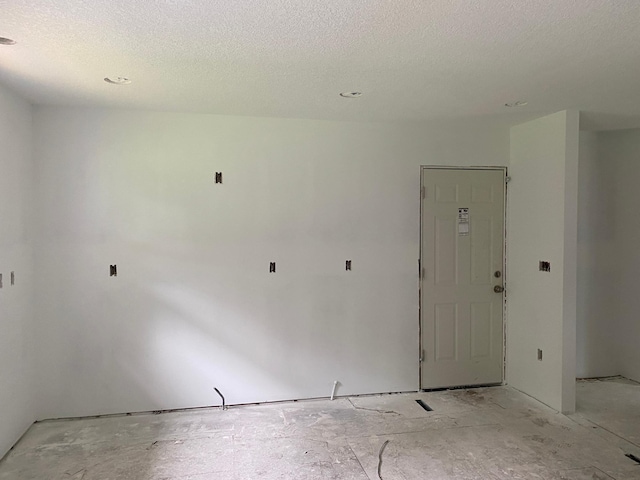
413 59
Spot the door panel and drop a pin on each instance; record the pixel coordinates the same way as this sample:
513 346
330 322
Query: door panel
481 254
461 315
446 261
481 314
446 332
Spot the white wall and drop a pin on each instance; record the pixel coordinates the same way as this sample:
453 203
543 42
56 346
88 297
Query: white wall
598 282
542 225
17 410
193 305
619 155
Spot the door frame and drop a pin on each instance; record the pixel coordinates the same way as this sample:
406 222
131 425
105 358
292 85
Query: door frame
504 263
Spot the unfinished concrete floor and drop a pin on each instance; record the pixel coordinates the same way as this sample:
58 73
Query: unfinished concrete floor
486 433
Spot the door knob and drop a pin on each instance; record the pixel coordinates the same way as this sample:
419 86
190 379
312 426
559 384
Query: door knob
498 289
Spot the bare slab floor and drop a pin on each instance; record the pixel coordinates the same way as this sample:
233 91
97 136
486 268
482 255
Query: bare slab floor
485 433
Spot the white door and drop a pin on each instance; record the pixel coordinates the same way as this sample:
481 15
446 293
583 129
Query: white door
461 265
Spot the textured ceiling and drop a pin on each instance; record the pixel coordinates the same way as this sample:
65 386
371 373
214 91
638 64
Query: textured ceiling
413 59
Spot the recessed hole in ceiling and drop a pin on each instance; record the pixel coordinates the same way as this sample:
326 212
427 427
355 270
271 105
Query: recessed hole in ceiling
118 80
351 94
519 103
7 41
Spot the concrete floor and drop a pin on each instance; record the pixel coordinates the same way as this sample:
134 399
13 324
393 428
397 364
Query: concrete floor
486 433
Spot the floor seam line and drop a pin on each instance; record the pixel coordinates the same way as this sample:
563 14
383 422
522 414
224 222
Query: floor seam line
355 455
607 430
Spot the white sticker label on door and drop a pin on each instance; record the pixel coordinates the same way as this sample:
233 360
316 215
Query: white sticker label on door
463 221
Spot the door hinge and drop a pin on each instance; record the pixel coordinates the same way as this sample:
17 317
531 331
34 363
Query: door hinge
421 355
423 192
507 179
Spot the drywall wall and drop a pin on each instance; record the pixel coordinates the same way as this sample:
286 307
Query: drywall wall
16 316
619 156
598 282
542 226
194 306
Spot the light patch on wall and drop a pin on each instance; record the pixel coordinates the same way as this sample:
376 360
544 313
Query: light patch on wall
200 346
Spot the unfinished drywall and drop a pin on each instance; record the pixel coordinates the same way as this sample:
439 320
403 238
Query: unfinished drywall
16 316
194 306
619 157
542 226
598 283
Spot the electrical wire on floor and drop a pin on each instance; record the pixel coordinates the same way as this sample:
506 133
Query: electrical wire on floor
224 405
380 457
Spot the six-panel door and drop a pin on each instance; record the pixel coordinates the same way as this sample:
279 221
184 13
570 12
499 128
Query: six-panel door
462 264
